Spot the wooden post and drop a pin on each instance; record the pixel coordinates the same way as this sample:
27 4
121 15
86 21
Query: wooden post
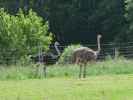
45 70
41 60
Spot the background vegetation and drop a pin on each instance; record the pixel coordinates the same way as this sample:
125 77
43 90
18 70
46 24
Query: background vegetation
70 21
109 67
21 34
66 56
81 18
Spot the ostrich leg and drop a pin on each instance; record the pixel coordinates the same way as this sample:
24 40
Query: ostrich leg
84 71
80 70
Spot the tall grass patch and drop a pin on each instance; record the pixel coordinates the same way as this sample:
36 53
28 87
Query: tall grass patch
107 67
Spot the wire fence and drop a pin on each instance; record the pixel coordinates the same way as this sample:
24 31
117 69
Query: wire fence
110 49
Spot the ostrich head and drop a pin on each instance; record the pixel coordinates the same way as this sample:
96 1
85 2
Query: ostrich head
99 36
56 44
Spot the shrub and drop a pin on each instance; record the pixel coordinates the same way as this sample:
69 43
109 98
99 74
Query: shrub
20 34
66 56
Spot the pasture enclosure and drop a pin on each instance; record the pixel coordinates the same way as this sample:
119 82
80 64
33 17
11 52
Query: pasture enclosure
112 50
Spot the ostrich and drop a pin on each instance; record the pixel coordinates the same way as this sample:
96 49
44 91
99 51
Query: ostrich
47 58
53 56
83 55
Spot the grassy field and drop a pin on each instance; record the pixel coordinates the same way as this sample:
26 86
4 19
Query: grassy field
108 67
107 87
108 80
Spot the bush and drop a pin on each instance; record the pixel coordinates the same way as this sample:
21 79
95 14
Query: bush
66 56
20 34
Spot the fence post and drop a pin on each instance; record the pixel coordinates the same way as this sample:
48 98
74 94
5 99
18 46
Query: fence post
41 60
116 53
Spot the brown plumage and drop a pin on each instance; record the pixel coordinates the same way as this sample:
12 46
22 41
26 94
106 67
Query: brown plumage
83 55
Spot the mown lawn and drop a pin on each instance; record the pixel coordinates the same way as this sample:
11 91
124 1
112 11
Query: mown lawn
104 87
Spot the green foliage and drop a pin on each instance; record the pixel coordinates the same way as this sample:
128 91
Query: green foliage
85 18
20 72
21 34
108 67
80 18
66 56
129 17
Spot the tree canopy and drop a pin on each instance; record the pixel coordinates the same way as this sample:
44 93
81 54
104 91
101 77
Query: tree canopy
75 21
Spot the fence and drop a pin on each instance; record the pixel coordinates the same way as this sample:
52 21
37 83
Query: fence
109 49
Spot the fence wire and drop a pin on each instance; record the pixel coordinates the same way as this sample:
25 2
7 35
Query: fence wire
111 49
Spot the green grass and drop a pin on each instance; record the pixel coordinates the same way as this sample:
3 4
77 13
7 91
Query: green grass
108 80
106 87
108 67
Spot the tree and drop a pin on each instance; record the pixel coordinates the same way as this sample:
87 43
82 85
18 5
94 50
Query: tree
129 17
80 18
85 18
22 33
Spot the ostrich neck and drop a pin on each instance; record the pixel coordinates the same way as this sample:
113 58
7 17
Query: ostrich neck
98 44
57 49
